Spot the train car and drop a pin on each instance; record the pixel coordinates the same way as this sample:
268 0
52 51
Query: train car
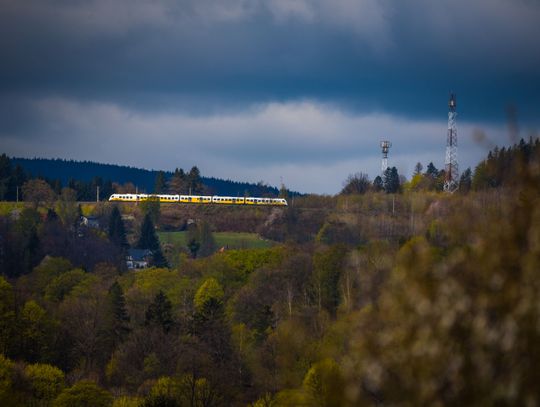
198 199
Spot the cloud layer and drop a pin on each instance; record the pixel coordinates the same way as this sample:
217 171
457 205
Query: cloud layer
253 89
313 147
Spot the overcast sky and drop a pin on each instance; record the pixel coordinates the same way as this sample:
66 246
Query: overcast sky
298 90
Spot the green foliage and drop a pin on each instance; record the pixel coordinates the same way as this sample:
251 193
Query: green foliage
83 394
459 329
504 167
209 289
36 332
324 385
120 318
61 286
327 269
6 377
45 381
66 207
7 316
186 390
159 312
152 208
45 273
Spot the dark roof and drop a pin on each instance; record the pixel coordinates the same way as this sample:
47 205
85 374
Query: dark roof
139 254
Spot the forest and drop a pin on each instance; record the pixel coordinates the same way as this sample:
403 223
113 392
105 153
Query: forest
84 176
391 292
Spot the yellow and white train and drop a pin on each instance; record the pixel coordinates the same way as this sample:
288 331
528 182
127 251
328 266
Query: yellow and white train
199 199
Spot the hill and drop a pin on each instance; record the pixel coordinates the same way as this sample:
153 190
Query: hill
63 170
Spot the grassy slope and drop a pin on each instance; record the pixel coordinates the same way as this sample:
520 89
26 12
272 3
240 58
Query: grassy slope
223 239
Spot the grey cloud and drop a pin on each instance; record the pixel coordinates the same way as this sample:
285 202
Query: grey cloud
264 142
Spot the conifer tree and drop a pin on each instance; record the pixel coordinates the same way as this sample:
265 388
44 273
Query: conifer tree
391 180
159 312
149 240
177 184
160 184
117 231
120 318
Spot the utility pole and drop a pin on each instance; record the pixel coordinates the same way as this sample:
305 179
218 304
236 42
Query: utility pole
451 182
97 194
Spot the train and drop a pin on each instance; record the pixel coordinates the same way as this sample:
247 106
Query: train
199 199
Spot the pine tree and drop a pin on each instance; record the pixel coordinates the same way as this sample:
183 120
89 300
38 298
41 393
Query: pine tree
159 312
378 184
117 230
177 184
149 240
120 318
160 184
194 181
391 180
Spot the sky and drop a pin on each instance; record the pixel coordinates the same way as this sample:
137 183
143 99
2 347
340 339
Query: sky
293 91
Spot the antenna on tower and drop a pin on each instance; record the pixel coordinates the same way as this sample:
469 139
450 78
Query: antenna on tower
385 146
451 181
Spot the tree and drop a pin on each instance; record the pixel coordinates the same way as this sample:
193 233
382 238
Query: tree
7 317
432 171
194 181
178 182
152 207
119 315
149 240
36 332
117 231
378 184
7 376
327 268
38 191
391 180
465 181
147 237
159 312
418 168
209 289
45 381
61 286
356 184
84 393
160 184
5 176
66 207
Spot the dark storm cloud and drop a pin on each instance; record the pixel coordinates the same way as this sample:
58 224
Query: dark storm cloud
253 89
397 56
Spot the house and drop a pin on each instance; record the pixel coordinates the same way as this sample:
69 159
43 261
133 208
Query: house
138 258
90 221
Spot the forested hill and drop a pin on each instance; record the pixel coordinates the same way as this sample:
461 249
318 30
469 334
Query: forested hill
143 179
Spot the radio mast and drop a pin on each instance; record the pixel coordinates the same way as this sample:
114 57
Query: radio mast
451 181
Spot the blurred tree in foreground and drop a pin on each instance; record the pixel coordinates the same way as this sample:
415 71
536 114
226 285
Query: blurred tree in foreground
463 328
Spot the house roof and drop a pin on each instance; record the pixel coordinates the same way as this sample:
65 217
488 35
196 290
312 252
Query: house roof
139 254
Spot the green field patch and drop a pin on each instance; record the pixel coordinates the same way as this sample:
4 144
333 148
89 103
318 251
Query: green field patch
229 240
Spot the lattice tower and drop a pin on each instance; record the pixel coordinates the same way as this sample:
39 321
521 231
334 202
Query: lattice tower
451 182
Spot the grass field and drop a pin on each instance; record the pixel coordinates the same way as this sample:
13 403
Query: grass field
229 240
